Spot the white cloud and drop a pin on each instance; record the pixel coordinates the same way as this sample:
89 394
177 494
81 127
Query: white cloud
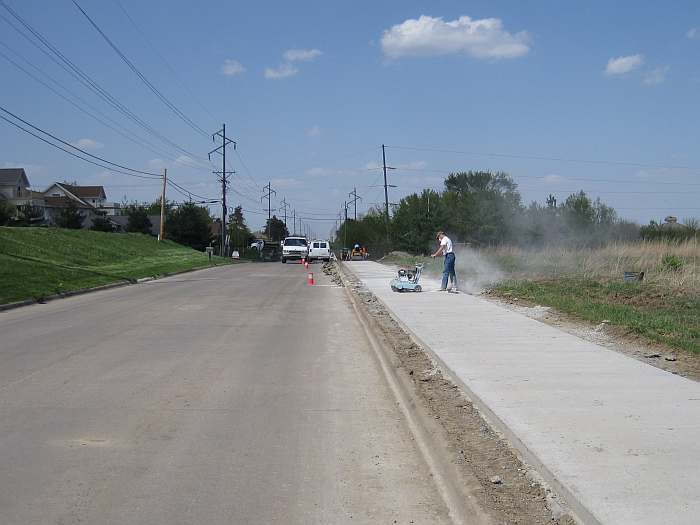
431 36
656 76
184 160
157 164
286 183
692 33
317 172
302 55
313 131
282 71
624 64
413 165
88 144
552 178
231 68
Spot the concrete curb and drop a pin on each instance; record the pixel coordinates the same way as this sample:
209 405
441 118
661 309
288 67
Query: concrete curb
572 505
454 488
82 291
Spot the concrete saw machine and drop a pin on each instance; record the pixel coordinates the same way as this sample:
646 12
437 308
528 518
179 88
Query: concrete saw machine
408 280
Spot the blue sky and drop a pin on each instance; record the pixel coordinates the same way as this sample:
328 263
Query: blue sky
311 89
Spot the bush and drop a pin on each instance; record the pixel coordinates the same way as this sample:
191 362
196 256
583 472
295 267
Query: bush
671 263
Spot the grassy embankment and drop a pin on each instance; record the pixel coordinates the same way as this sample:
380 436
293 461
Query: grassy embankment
587 284
38 262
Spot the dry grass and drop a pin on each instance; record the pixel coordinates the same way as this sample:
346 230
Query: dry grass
673 265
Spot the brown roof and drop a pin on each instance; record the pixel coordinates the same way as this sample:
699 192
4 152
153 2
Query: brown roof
62 202
86 192
13 176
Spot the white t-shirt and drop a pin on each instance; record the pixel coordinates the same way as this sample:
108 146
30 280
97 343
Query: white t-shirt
446 244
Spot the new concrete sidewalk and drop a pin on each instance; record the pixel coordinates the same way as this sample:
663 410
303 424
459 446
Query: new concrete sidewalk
618 438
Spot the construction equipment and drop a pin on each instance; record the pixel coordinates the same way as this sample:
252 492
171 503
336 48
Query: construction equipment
358 253
408 280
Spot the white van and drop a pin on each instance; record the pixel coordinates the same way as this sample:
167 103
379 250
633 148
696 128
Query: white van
320 250
294 248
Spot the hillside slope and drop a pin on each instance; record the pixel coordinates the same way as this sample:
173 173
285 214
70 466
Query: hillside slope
37 262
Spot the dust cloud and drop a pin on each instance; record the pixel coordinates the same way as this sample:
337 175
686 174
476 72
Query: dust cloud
474 272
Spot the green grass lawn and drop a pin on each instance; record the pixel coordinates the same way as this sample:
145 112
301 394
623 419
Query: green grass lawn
654 312
37 262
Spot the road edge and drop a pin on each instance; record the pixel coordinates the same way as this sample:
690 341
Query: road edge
82 291
571 505
462 506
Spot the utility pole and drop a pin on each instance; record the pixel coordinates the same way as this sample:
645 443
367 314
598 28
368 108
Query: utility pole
356 198
294 214
386 191
223 177
285 205
345 206
162 207
267 194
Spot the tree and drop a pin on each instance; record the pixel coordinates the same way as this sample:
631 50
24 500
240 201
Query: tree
153 208
189 225
483 205
579 213
7 212
275 229
416 220
70 217
101 223
138 219
238 230
369 231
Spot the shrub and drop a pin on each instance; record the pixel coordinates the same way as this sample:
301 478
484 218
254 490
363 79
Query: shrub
671 263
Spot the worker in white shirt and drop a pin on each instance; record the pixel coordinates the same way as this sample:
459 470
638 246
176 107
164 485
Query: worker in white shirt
448 272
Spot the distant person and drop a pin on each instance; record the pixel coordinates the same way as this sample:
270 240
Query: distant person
448 272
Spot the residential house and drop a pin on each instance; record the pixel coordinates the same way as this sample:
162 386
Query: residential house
60 195
14 186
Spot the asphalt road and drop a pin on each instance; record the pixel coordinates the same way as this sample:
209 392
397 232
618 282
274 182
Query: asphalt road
232 395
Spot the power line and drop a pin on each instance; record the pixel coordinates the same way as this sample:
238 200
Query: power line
162 57
544 177
247 171
67 65
71 153
540 157
185 191
134 172
143 77
114 126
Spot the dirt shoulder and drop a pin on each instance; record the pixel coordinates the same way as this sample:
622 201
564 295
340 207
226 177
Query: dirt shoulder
508 490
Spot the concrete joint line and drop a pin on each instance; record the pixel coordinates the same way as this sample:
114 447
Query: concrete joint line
462 506
576 510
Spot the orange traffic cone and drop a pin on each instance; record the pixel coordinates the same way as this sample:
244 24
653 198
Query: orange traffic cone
306 264
310 279
302 261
